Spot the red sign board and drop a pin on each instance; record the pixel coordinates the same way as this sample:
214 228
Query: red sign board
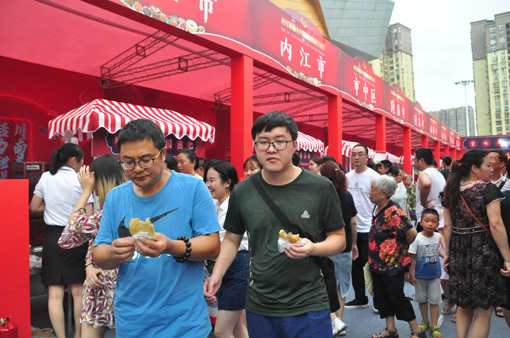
418 116
14 142
359 81
444 132
432 126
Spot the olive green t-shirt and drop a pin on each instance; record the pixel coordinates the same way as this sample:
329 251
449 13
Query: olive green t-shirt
278 285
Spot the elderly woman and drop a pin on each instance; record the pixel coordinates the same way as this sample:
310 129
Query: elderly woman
389 239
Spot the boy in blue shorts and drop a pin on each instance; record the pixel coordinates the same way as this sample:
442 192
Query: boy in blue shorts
425 270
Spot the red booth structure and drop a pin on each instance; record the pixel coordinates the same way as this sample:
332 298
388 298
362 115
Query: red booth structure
308 147
102 120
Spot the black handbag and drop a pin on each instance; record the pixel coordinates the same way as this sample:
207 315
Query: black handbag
325 263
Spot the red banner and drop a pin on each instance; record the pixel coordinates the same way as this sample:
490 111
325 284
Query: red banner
359 80
418 116
444 132
15 137
396 103
452 140
432 126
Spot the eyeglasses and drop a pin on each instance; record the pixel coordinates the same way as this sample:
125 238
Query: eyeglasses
357 155
277 145
145 163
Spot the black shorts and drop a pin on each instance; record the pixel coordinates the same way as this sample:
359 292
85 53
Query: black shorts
61 266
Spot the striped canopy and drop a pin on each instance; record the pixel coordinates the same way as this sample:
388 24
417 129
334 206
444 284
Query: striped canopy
112 116
308 143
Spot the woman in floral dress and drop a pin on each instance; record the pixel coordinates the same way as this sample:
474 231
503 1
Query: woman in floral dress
388 241
99 288
475 258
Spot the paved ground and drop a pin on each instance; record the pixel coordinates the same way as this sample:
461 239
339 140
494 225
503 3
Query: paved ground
362 322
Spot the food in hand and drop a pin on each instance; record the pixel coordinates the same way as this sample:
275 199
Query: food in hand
289 236
136 225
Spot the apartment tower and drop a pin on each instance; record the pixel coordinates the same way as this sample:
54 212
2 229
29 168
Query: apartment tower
490 44
396 62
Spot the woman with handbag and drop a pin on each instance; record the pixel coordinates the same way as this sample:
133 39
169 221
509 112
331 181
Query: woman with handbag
475 239
388 241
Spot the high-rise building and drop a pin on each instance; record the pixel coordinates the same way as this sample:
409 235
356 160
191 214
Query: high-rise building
396 62
455 118
357 27
490 44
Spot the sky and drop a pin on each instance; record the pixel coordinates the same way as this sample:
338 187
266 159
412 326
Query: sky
441 42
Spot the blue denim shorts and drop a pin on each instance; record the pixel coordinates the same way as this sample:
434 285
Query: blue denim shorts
232 293
343 268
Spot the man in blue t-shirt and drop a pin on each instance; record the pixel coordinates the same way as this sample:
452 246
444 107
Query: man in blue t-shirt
159 290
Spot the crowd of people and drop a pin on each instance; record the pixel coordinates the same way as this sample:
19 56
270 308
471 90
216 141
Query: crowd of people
218 240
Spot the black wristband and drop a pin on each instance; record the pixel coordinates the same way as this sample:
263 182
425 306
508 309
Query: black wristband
188 250
86 265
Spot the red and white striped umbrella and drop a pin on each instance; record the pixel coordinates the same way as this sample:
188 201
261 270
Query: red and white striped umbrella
112 116
309 143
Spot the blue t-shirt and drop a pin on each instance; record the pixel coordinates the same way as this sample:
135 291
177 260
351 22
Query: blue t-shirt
427 265
158 297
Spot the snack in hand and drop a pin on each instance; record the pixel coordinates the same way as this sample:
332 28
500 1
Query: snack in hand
289 236
136 226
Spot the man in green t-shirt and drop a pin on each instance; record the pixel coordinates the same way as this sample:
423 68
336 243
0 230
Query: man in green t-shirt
286 292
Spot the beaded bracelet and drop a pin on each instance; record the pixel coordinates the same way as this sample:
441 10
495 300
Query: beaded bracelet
188 250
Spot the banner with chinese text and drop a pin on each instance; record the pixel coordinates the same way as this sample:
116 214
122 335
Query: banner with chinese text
15 137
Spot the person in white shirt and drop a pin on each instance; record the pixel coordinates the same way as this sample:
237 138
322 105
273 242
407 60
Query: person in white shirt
430 184
498 160
360 180
220 178
55 194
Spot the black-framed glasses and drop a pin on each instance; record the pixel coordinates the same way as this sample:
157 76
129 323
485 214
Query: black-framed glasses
145 163
277 145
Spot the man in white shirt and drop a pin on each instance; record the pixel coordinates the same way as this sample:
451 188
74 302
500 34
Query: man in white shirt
360 180
430 183
498 163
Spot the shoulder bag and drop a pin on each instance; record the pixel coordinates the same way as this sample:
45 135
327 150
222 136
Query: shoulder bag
471 213
325 263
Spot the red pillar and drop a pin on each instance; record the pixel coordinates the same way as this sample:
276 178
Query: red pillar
408 167
15 262
241 113
335 127
455 154
380 133
437 152
424 141
446 151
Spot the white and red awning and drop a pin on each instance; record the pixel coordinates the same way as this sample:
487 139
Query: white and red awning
309 143
112 116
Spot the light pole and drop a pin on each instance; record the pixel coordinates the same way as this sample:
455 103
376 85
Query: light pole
465 84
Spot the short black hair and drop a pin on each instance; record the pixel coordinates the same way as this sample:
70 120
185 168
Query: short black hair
170 161
393 171
226 171
447 160
364 147
431 212
139 130
191 156
386 163
503 157
253 159
426 154
274 119
327 158
296 160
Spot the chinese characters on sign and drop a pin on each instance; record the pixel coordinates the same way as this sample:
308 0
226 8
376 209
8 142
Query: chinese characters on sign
13 144
206 6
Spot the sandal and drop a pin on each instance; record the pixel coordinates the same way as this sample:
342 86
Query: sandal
436 333
454 318
393 334
424 326
447 309
499 312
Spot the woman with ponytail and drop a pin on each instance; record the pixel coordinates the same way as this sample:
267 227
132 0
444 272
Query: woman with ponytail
56 194
477 252
343 260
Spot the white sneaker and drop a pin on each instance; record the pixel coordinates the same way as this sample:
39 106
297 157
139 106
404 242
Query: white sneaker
338 326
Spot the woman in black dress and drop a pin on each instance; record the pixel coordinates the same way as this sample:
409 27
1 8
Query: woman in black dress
473 254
